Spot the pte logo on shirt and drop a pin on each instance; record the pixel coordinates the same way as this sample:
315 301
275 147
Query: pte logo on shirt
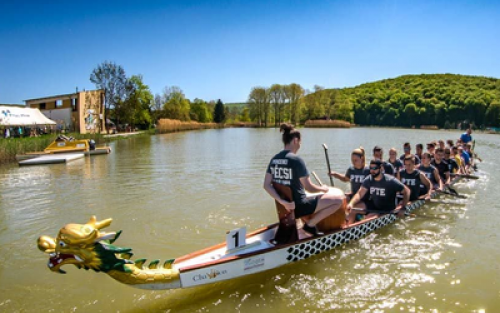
377 191
357 178
409 182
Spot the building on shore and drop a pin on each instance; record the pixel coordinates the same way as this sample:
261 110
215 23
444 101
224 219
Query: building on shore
81 112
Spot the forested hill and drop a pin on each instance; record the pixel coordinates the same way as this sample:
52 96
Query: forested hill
428 99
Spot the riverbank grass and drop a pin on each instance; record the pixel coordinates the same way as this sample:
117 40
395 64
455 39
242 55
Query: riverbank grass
11 147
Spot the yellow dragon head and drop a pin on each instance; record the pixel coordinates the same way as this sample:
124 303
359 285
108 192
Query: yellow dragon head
86 247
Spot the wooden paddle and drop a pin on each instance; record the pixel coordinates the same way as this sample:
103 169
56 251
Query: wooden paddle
467 176
328 164
446 202
453 193
317 178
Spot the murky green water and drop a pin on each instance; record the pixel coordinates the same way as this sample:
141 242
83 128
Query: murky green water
177 193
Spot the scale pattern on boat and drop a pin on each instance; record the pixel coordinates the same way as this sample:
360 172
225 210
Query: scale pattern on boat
305 250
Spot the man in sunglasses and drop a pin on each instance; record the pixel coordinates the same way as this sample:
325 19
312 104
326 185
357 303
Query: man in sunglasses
383 190
413 178
407 150
442 166
378 154
453 167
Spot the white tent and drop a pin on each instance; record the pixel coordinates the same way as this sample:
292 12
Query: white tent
15 116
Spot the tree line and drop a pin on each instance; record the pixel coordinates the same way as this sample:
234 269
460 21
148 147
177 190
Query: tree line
444 100
128 100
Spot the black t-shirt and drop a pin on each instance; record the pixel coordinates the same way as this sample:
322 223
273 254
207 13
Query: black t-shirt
357 176
452 165
383 192
429 173
388 168
397 165
412 181
417 159
287 168
442 168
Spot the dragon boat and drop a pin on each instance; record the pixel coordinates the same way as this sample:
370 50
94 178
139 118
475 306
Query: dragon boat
86 246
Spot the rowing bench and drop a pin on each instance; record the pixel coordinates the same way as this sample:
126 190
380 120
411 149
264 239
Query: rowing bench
287 228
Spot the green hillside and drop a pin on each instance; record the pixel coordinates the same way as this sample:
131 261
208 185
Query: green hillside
428 99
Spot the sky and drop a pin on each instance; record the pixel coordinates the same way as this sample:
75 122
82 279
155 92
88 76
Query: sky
221 49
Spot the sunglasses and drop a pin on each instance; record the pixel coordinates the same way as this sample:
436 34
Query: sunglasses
407 149
374 168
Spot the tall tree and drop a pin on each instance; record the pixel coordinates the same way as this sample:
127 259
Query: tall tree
110 77
219 112
294 92
259 103
137 107
492 117
199 111
175 103
276 96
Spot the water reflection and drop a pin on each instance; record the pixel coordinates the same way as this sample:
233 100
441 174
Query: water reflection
176 193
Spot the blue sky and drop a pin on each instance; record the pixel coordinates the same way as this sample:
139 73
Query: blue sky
221 49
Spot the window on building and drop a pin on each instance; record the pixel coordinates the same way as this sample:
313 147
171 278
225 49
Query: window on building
42 106
74 104
59 103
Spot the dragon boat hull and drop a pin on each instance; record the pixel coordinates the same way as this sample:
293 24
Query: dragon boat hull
258 253
198 269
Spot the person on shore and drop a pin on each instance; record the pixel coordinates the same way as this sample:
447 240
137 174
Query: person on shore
453 167
466 137
407 152
287 168
442 166
413 179
378 154
355 173
419 149
383 190
431 173
393 160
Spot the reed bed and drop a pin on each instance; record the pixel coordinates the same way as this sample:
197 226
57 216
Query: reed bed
433 127
166 125
242 124
327 124
12 146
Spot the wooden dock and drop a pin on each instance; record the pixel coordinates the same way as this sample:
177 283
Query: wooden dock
52 159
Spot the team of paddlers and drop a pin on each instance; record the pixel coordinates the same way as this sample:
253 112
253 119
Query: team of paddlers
380 188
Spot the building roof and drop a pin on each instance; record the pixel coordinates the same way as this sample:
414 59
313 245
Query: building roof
68 95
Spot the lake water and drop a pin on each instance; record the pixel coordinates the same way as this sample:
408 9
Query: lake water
177 193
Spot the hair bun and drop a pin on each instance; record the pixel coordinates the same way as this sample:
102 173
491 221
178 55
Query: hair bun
286 128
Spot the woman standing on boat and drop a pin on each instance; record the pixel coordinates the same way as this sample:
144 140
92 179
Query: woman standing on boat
287 168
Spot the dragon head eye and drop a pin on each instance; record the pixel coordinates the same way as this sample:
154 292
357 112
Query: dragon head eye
62 244
87 229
